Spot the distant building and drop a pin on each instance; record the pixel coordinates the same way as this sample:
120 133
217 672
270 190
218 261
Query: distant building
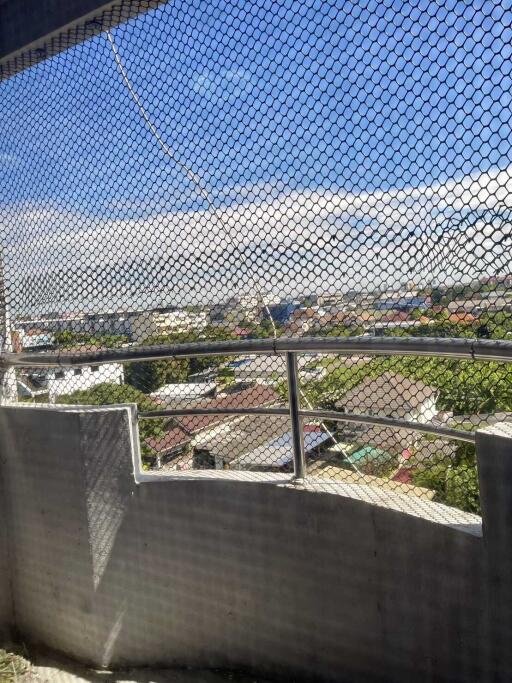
401 301
154 323
305 320
281 312
487 303
101 323
498 280
391 395
270 369
243 309
237 310
110 322
67 322
31 340
335 299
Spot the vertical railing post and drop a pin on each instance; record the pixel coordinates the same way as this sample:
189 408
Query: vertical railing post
299 461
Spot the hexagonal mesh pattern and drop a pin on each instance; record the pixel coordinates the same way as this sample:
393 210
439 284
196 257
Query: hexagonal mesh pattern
222 171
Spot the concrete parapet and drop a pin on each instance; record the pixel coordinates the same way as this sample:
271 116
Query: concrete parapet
320 583
494 454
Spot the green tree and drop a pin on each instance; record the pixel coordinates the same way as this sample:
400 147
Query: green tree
213 334
454 482
67 338
436 296
264 330
147 376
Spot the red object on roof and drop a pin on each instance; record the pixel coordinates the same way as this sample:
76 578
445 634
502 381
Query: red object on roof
464 318
403 476
241 331
395 317
308 429
171 439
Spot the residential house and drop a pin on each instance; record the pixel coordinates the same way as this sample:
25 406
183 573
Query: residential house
271 369
246 308
392 395
161 323
31 340
178 394
462 318
59 381
277 453
304 320
66 380
173 446
255 443
201 431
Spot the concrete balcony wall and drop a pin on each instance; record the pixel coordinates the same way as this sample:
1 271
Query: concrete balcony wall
6 616
241 574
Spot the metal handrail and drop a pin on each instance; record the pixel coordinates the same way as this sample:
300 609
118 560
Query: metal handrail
394 423
470 349
335 416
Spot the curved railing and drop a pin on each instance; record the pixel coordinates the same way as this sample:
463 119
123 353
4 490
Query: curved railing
469 349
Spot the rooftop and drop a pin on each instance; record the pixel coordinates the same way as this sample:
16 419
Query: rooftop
387 393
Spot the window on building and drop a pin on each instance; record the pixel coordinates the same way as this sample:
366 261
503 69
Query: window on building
95 368
77 371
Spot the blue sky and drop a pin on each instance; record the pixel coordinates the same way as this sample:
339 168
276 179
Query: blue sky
260 99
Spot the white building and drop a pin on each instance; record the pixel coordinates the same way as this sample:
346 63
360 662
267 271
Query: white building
103 322
182 393
154 324
67 322
393 395
271 369
390 395
66 380
31 339
246 308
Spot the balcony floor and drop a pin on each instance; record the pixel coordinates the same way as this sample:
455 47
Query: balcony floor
49 669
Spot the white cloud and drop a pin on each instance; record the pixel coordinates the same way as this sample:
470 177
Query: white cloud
296 242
